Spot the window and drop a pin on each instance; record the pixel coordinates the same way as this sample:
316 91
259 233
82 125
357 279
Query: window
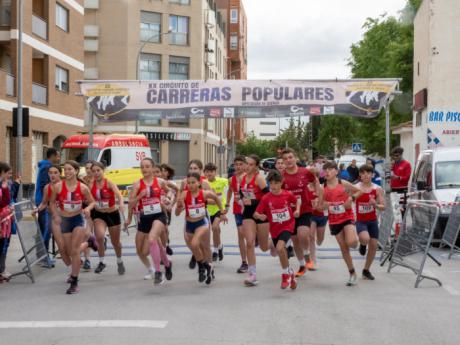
179 30
150 27
62 79
234 42
62 17
178 67
418 119
268 134
180 2
447 176
234 16
150 67
106 157
270 123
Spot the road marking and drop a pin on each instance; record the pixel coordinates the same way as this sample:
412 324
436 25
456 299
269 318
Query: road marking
450 289
85 324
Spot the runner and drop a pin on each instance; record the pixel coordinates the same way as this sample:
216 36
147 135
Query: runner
337 200
70 194
106 215
54 173
88 181
169 200
279 165
366 216
197 231
276 207
317 227
218 185
146 196
235 185
253 187
296 180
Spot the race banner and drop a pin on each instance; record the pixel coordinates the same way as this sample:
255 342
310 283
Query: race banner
113 101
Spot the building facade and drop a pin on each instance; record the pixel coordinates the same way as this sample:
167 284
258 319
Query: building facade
436 118
161 39
52 63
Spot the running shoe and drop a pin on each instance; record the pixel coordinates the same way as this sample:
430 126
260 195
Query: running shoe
69 279
311 265
121 268
301 272
215 255
285 280
158 279
192 263
243 268
307 257
293 284
92 243
352 281
209 275
368 275
169 251
149 275
362 249
251 280
168 271
73 288
221 252
290 252
100 268
47 262
201 273
87 265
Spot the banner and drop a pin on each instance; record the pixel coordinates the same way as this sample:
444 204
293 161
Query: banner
115 101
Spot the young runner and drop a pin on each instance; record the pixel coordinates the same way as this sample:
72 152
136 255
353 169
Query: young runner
253 187
146 197
296 180
276 206
106 215
317 227
218 185
88 181
169 200
197 231
337 199
235 185
279 165
70 194
372 199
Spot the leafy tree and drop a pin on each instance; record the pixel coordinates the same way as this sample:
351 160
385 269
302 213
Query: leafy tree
336 133
253 145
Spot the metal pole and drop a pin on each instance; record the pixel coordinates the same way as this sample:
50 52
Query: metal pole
387 145
19 153
91 135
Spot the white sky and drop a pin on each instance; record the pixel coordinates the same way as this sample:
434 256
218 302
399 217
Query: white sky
307 39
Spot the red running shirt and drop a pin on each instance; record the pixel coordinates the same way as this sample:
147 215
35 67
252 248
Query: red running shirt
195 207
70 201
150 203
336 197
105 197
312 196
365 212
279 212
297 184
235 186
251 190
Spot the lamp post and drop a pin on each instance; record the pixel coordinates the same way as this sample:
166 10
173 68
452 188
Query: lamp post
19 157
138 62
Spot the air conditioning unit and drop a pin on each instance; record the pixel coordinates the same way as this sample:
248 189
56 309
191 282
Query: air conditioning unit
211 19
210 58
211 46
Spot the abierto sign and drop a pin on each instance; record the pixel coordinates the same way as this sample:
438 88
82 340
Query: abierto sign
169 99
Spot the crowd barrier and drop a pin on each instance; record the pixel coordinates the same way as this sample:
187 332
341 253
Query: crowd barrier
452 230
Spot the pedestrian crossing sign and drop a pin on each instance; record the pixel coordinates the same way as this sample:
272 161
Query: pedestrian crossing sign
357 147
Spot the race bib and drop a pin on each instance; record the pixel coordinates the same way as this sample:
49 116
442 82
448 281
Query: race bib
280 216
249 195
337 209
197 212
72 207
151 206
366 208
102 204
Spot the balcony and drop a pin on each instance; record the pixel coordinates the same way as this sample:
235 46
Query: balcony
10 81
91 45
91 4
39 27
39 94
91 73
5 12
92 31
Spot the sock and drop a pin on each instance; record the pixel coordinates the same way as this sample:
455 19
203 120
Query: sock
221 246
306 252
119 260
74 279
151 269
101 259
252 269
285 270
302 262
215 249
155 253
164 256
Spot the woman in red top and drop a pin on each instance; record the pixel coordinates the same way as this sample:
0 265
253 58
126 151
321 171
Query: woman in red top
197 230
106 215
70 193
253 187
146 197
6 218
337 200
234 183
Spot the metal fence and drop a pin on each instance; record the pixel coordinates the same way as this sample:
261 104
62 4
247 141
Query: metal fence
414 242
386 227
452 230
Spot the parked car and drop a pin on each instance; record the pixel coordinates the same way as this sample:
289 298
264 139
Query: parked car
268 163
346 159
436 178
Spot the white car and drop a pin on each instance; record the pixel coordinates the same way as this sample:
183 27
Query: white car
346 159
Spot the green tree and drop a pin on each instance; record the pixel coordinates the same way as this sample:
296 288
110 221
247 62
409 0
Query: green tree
336 132
253 145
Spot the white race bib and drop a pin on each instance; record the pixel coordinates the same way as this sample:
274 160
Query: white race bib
366 208
102 204
196 212
249 195
151 206
72 207
280 216
336 209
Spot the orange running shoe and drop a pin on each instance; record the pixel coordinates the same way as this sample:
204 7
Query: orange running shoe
302 270
311 265
293 285
285 280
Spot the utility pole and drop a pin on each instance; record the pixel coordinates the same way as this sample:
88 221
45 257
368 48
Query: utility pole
19 156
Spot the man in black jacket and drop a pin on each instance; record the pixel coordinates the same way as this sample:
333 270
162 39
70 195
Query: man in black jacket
353 171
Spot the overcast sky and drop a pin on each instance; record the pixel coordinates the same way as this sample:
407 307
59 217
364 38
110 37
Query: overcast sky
307 39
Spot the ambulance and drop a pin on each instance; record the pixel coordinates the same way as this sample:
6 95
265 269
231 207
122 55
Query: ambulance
121 153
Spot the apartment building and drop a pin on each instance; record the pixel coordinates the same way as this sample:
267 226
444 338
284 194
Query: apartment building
52 62
173 39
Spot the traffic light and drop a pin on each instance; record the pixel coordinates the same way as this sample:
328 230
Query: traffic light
25 122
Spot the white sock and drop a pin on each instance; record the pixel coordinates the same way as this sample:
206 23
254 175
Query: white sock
101 259
306 252
302 262
215 249
285 270
119 260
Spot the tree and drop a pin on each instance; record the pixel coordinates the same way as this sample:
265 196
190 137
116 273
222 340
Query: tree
336 132
253 145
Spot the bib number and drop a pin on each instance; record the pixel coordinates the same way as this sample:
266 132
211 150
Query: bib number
365 208
249 195
102 204
151 206
337 209
71 207
197 212
280 216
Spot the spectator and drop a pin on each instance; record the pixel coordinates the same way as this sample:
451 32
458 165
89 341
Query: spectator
52 157
353 171
6 219
376 179
400 171
343 173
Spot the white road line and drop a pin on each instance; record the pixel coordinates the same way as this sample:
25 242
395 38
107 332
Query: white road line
450 289
85 324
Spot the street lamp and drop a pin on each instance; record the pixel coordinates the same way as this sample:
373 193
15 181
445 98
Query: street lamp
138 62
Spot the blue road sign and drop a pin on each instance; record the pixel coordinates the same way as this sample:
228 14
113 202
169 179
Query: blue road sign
357 147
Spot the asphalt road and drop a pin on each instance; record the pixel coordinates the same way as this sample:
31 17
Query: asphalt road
322 310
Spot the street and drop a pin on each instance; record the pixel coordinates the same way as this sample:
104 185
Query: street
322 310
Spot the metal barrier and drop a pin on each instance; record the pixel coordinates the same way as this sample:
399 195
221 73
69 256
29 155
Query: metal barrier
31 240
386 225
452 230
414 242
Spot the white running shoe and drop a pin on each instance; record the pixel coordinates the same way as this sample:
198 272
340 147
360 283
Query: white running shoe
352 281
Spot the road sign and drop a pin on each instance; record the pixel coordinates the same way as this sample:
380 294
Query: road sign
357 147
